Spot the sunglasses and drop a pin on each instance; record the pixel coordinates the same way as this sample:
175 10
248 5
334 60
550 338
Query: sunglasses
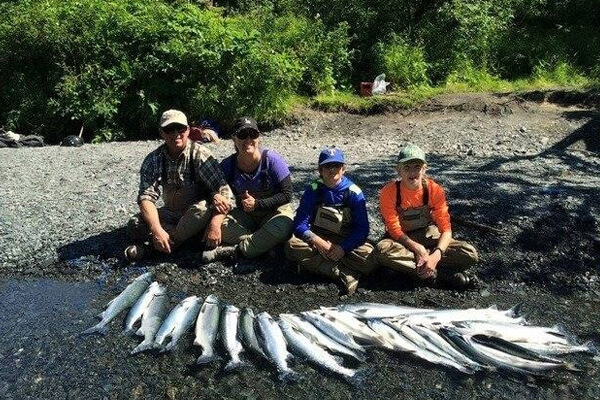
173 129
247 134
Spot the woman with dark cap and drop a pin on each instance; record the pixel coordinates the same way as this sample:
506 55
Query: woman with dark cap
261 181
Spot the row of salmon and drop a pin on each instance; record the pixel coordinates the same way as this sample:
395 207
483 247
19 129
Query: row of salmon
469 340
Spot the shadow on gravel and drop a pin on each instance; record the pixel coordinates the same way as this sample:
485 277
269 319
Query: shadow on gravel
103 245
543 242
588 134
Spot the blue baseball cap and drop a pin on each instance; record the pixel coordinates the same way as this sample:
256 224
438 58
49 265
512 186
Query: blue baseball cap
331 155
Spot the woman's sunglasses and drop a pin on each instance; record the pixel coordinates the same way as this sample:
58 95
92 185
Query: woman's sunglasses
247 134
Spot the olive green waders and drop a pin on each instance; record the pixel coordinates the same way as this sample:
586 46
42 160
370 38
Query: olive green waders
459 255
256 232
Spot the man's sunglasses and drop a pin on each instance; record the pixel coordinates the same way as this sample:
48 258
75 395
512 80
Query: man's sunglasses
173 129
247 134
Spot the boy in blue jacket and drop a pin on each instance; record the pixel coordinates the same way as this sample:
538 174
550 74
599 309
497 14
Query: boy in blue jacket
331 226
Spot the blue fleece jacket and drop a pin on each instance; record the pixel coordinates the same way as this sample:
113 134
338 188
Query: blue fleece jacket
305 214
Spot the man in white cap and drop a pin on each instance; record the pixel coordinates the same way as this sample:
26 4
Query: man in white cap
195 194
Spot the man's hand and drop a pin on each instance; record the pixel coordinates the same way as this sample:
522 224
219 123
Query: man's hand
213 234
248 202
221 203
428 268
162 241
335 252
323 246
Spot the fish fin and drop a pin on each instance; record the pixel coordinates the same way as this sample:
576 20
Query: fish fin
139 332
207 359
142 347
559 330
170 346
572 367
493 307
127 332
100 328
289 376
234 365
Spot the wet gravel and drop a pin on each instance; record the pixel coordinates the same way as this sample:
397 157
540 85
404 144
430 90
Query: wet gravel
530 169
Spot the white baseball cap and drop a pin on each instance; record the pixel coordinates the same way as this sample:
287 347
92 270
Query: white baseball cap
173 117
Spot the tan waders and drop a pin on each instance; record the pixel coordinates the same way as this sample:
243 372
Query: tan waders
181 217
257 232
459 255
346 271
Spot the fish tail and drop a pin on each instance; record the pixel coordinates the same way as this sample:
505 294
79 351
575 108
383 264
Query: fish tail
360 376
207 358
289 376
100 328
142 347
235 364
127 332
515 310
591 347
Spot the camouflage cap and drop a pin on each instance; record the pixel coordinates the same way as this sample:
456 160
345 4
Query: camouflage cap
411 152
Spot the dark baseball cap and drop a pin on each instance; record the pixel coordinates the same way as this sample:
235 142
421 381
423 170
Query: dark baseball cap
245 123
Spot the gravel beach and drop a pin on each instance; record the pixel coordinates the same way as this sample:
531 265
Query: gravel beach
526 166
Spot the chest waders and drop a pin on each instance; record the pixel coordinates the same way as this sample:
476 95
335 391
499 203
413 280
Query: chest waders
177 195
333 219
414 218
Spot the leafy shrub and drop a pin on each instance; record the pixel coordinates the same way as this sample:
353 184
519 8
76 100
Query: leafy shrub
403 64
113 66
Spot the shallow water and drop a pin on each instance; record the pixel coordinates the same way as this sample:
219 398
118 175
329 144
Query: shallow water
42 357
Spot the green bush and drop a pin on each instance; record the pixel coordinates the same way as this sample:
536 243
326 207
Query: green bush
404 65
113 66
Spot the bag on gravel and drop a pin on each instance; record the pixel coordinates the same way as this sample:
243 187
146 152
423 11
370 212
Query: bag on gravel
379 85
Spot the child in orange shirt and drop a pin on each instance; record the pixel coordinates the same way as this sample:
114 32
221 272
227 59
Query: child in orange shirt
419 239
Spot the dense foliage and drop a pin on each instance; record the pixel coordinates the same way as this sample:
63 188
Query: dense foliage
111 66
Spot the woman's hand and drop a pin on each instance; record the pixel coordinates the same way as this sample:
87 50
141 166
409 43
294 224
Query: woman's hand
248 202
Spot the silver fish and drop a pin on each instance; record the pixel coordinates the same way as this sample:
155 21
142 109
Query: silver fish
448 317
229 333
434 337
514 332
247 332
404 343
330 329
207 329
123 301
312 352
180 319
378 310
348 322
152 319
135 313
274 346
311 332
468 346
551 349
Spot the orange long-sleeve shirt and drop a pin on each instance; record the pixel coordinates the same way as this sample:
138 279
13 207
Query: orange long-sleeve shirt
412 199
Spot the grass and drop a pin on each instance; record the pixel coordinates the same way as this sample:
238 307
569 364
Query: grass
562 76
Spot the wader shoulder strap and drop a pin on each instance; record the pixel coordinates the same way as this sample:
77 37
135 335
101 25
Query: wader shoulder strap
399 195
